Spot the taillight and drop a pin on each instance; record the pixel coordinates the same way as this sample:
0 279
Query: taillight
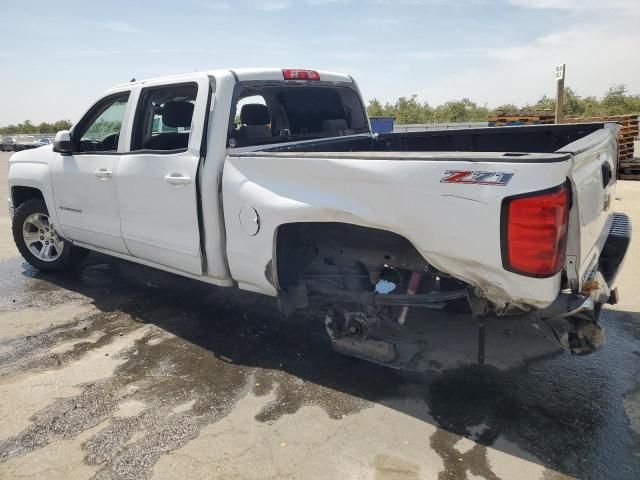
296 74
534 232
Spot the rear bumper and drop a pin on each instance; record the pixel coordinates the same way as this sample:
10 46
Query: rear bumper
615 248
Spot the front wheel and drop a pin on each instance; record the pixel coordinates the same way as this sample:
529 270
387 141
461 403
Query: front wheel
39 243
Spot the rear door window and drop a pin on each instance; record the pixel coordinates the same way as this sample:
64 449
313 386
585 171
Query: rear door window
164 116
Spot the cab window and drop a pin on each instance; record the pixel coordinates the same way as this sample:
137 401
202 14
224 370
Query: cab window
272 113
99 130
163 119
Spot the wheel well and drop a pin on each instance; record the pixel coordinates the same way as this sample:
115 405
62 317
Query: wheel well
21 194
322 248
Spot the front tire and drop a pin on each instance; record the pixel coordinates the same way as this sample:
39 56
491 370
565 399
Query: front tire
39 243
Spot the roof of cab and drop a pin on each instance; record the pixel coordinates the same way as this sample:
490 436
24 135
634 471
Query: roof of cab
243 75
248 74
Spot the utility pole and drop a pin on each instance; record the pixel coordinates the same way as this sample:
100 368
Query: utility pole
559 92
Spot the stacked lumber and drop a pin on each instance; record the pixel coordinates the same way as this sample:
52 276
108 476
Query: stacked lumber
628 133
522 117
629 169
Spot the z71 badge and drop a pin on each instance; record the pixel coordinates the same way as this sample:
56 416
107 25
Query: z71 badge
477 177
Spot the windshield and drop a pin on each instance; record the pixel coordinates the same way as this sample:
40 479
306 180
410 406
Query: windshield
269 113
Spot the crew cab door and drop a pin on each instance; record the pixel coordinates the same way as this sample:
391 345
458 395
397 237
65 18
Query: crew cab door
157 180
83 182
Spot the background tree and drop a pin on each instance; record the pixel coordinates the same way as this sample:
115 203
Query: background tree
616 101
619 102
29 128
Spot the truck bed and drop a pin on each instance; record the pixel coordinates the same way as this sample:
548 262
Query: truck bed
509 142
364 180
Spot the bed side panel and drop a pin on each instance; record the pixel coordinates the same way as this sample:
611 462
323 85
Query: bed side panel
455 226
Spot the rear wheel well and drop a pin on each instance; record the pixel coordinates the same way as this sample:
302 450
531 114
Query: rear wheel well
21 194
305 248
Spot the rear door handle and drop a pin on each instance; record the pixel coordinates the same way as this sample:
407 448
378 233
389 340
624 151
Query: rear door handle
177 179
103 174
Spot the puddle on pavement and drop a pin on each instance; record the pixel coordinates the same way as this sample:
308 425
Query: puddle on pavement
167 375
566 412
178 387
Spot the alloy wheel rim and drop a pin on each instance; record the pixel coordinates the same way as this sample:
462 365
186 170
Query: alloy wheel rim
41 239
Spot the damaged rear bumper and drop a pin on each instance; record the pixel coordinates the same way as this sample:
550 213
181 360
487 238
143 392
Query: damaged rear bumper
574 316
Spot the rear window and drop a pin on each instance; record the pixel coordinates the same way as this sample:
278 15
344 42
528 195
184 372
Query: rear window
264 114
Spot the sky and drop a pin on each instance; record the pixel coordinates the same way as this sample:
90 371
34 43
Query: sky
57 59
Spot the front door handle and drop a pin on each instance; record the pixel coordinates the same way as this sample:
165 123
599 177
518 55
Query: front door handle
177 179
103 174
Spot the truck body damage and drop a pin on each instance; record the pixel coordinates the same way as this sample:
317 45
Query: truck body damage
366 280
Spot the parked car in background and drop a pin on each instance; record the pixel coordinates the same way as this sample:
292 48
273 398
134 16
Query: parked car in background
7 144
42 141
26 142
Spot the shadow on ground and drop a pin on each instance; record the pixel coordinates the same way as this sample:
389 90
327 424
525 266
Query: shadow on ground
566 412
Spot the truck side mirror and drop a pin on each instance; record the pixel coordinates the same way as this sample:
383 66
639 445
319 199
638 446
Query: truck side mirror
62 143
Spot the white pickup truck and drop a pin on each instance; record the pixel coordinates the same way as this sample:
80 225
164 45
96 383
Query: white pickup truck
270 180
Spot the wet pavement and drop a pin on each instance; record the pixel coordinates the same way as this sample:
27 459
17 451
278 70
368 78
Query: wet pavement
121 371
186 354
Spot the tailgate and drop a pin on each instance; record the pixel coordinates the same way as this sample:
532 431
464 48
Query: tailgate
593 178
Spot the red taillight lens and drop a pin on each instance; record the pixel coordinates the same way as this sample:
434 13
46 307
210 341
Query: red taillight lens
295 74
535 232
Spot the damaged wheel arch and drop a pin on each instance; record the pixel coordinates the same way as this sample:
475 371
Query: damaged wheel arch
366 277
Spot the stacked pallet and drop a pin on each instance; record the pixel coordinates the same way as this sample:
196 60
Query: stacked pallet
628 133
522 117
629 169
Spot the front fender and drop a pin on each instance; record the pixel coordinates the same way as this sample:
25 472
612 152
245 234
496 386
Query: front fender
32 168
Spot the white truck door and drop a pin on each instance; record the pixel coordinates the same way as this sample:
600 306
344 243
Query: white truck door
83 183
157 180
